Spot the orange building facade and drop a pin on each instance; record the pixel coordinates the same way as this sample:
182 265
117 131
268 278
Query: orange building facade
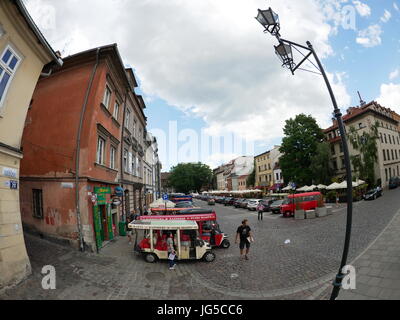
73 134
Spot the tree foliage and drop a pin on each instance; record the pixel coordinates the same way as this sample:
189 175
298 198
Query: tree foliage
322 172
366 145
187 177
299 146
251 179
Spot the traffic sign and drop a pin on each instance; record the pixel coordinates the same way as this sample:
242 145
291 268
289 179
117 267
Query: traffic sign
165 197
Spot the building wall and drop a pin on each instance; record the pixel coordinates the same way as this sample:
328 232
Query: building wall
50 158
264 171
363 124
14 262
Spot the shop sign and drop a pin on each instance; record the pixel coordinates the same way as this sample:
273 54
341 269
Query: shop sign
102 194
119 192
116 202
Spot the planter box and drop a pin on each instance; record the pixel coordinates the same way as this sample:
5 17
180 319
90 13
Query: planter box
299 215
328 211
321 212
310 214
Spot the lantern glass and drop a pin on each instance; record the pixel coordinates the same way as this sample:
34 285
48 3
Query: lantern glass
284 52
267 17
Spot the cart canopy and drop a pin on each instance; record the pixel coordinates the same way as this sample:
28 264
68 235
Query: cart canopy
163 225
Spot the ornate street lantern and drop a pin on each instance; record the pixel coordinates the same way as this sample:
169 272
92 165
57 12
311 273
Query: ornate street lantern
269 20
285 54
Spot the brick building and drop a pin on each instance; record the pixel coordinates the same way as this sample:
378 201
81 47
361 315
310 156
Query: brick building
81 118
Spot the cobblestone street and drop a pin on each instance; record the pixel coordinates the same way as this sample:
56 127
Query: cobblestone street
302 269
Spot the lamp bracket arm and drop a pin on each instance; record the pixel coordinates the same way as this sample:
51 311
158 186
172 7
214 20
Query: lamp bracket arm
295 44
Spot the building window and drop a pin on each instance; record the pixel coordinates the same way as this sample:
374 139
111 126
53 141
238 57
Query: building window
126 160
343 163
116 110
334 164
9 63
386 175
107 97
113 153
341 147
101 143
37 203
133 165
381 137
385 137
127 118
390 138
384 155
392 154
332 149
388 154
390 172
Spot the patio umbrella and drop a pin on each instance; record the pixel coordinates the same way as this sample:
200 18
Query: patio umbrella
360 182
334 186
343 185
160 203
321 186
305 188
288 188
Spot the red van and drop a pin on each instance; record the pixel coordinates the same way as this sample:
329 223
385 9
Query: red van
307 201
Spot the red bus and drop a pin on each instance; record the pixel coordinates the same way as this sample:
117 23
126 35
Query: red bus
302 201
209 229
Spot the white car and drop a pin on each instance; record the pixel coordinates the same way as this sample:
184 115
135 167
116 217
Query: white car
252 204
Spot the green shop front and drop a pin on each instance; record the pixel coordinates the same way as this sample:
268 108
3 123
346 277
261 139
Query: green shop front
105 216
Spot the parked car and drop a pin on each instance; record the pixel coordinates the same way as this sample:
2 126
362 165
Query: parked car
244 203
275 206
253 204
211 202
184 204
237 203
373 194
394 182
228 201
264 205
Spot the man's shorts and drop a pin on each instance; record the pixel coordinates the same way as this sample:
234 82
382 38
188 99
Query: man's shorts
129 233
244 243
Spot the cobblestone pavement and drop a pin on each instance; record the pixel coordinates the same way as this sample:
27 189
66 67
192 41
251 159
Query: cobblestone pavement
378 268
302 269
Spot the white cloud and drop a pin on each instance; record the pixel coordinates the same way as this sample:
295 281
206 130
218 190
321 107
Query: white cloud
390 96
386 16
394 74
395 6
370 37
363 9
210 58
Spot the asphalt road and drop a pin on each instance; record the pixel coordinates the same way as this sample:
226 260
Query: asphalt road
314 251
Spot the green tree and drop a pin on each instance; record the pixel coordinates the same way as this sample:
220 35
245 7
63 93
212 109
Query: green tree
322 172
365 144
302 136
187 177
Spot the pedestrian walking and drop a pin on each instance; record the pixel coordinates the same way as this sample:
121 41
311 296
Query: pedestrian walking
260 209
245 236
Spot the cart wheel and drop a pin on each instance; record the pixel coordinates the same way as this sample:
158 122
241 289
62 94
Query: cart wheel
209 257
150 258
225 244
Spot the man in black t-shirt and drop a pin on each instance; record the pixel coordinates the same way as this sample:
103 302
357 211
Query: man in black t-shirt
244 233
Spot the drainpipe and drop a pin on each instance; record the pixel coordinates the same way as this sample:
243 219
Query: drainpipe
122 155
78 150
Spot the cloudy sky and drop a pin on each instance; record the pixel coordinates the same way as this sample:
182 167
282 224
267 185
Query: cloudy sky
207 65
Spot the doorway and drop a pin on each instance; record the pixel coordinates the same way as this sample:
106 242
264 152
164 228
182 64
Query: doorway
104 223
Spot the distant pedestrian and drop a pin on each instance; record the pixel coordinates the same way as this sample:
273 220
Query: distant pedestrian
260 209
171 260
245 235
128 230
337 199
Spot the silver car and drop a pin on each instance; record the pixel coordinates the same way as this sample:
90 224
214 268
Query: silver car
252 204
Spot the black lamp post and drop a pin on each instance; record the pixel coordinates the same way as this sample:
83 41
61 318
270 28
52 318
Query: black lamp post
270 21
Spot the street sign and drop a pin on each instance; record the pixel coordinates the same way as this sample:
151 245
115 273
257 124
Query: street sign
165 197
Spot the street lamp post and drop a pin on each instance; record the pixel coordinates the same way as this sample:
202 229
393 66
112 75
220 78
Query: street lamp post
284 50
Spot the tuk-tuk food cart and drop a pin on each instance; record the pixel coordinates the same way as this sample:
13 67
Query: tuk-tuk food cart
187 244
209 229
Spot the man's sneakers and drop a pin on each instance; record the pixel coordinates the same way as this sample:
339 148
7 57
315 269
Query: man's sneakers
246 257
172 268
